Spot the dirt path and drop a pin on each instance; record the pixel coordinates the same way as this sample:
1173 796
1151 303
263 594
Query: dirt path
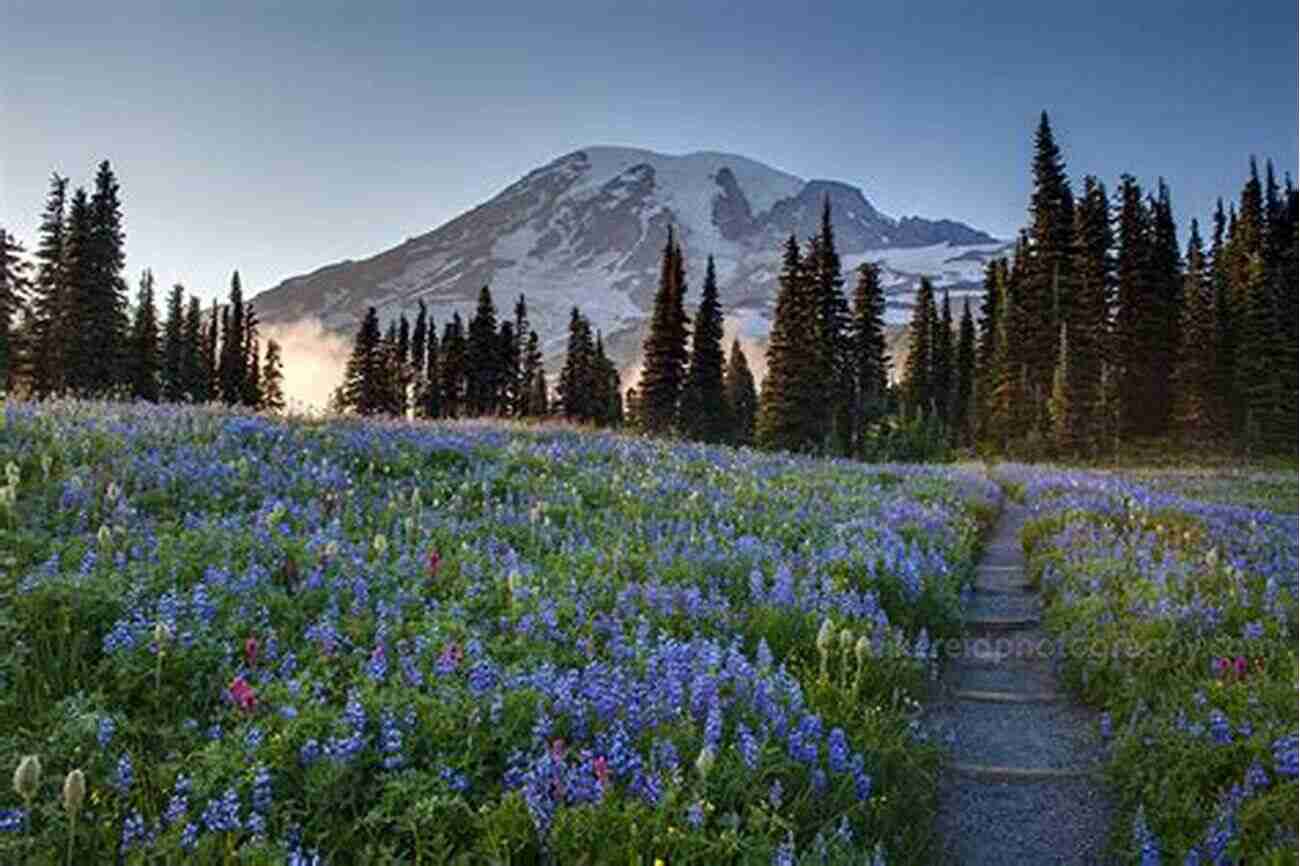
1020 787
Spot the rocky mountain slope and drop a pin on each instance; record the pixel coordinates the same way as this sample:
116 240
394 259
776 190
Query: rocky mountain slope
588 229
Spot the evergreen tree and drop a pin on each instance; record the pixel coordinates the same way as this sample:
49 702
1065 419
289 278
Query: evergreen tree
210 354
100 339
1007 384
51 302
1133 325
402 371
578 378
172 384
664 348
1063 425
607 408
1194 373
13 286
944 363
194 383
508 367
433 403
524 372
363 379
452 362
1258 380
144 343
81 348
273 378
1224 316
234 347
986 356
531 373
1089 314
539 404
964 376
741 397
834 351
791 406
1162 314
482 358
250 393
1045 294
702 407
918 372
870 364
419 361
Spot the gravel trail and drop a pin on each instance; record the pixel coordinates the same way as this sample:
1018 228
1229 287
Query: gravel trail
1020 787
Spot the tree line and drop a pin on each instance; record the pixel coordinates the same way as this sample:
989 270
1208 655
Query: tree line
67 327
1100 330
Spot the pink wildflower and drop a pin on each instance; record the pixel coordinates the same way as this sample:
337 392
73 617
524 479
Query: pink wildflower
242 694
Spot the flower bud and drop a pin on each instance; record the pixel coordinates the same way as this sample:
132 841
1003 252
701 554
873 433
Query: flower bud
704 763
162 635
105 536
74 791
862 650
27 778
826 636
846 640
381 544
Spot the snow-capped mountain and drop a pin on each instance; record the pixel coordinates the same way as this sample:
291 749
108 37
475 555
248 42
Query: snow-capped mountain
588 229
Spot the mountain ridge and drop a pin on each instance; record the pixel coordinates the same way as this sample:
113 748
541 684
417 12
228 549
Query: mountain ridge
587 229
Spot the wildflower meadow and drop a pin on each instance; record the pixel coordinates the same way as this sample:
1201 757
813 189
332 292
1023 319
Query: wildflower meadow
1177 618
234 639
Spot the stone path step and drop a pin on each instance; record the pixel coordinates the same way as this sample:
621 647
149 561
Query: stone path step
995 773
1001 624
1006 697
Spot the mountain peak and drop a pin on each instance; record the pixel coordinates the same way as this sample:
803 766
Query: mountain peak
587 230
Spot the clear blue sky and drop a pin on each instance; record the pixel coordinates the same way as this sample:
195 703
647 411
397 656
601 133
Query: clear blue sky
277 137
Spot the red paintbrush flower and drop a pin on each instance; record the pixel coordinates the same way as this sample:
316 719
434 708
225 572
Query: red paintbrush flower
250 652
242 694
435 563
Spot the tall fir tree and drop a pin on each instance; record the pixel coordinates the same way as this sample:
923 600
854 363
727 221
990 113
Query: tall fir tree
1045 295
741 396
577 386
419 360
665 352
1089 313
964 379
482 358
834 351
273 378
172 385
870 364
533 377
433 404
233 350
1133 323
13 290
250 386
524 373
102 323
363 379
944 359
194 382
1194 371
1164 302
143 345
51 302
918 372
452 368
508 367
1224 315
791 406
703 411
986 356
80 349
